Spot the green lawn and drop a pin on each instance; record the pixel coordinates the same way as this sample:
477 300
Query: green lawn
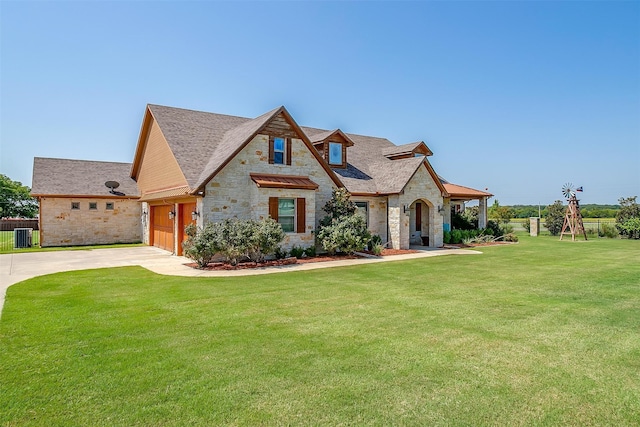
7 242
539 333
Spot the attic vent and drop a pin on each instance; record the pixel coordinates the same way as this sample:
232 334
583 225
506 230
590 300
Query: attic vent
112 185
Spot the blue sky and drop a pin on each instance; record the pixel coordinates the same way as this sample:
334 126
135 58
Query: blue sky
516 97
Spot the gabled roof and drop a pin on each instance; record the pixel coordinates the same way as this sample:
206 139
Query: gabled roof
81 178
325 135
370 171
203 143
408 149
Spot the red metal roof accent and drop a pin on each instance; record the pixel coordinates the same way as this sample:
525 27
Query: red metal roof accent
283 181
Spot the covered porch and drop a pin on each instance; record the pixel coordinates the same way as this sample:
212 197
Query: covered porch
457 199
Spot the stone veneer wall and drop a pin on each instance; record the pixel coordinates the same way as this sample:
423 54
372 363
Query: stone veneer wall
377 215
62 226
232 193
420 187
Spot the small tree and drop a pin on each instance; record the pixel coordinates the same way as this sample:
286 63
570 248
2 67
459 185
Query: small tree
626 218
16 200
342 230
555 217
502 214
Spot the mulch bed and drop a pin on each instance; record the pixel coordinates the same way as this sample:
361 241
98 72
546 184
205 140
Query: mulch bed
216 266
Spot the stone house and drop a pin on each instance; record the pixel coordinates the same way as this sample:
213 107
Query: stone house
193 167
76 208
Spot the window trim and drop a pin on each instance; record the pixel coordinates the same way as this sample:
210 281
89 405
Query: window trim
341 153
366 208
75 206
286 153
109 206
93 206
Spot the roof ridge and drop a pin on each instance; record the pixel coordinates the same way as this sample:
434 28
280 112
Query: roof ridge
82 160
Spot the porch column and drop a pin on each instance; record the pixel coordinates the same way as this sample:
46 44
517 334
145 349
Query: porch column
482 213
446 215
394 212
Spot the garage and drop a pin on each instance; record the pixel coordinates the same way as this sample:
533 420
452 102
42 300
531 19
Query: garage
162 227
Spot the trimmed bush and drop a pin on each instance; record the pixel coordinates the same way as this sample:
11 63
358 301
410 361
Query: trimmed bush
234 239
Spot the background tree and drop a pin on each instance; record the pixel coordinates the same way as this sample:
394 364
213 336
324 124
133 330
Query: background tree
555 217
502 214
628 218
16 200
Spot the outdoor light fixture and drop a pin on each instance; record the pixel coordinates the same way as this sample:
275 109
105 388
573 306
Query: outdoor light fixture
195 214
440 208
406 208
172 214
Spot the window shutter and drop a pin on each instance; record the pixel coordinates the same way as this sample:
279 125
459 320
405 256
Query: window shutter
273 208
301 220
288 149
271 155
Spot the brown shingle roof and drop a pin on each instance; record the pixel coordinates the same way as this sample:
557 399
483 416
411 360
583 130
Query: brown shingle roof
194 137
80 178
204 142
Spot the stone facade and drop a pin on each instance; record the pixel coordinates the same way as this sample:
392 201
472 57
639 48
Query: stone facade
377 211
60 225
420 188
232 193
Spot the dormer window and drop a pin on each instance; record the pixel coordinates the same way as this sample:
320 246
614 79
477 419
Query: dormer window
335 154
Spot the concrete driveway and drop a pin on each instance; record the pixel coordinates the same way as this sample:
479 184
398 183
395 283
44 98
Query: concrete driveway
17 267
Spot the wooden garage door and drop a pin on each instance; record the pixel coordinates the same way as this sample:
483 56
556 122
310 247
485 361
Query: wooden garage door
162 227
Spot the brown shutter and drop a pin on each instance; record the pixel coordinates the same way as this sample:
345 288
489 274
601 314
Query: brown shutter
288 150
344 155
418 216
273 207
271 156
301 216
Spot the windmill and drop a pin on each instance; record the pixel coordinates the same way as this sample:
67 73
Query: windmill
573 217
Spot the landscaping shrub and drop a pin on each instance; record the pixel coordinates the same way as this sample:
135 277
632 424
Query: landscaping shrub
342 230
199 245
461 222
630 228
446 238
608 230
310 251
510 237
297 251
377 249
345 235
493 228
375 240
527 225
506 229
234 239
628 218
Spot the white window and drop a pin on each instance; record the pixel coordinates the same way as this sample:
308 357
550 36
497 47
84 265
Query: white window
278 150
335 153
287 214
362 208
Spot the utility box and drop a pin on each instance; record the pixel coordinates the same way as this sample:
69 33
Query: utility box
22 238
535 226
